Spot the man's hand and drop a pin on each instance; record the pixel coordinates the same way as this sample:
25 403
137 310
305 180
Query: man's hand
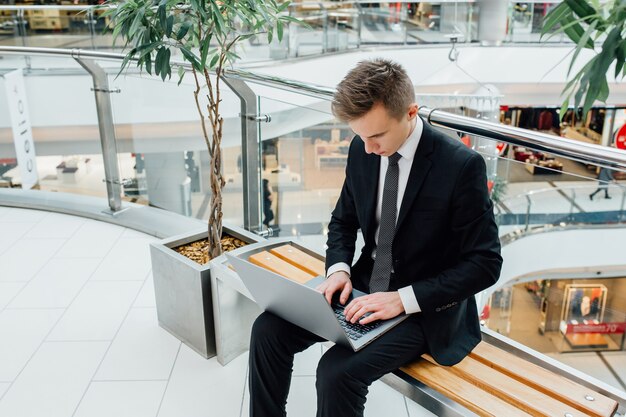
337 281
382 305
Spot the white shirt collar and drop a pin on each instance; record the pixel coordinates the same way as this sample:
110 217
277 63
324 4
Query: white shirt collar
408 148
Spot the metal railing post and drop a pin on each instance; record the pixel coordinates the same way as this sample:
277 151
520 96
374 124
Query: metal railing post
527 212
250 153
622 217
324 28
91 23
571 205
21 30
107 131
359 25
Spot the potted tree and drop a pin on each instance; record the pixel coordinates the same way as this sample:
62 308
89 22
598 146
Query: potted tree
205 34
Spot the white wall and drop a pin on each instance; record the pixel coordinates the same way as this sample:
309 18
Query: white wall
581 252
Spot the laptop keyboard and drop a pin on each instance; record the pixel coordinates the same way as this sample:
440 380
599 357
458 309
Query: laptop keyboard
353 330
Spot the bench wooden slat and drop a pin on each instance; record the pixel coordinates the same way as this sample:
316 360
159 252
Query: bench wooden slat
273 263
545 381
510 390
300 259
461 391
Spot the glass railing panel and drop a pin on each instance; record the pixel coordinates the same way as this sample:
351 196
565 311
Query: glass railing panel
303 157
532 188
54 27
9 28
525 22
329 28
563 316
62 121
162 153
431 22
383 23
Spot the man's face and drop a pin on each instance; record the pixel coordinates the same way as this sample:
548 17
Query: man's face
381 133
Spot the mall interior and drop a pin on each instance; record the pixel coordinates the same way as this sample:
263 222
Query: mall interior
102 174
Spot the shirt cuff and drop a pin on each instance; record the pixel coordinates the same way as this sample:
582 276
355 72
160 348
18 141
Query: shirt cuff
407 296
339 266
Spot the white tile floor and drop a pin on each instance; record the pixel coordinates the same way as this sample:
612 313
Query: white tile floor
80 336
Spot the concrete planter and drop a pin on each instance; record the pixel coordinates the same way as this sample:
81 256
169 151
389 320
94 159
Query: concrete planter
183 290
234 308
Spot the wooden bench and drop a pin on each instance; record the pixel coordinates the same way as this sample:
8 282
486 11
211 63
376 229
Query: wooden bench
488 382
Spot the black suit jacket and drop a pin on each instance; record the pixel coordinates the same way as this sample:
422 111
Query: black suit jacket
446 244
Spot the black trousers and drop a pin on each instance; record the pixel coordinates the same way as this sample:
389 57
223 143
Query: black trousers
601 186
343 376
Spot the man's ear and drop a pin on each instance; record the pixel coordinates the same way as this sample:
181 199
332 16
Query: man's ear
412 111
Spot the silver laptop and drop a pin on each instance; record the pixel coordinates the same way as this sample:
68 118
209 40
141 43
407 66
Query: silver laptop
303 306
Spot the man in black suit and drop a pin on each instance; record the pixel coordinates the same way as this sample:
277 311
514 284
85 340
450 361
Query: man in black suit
421 202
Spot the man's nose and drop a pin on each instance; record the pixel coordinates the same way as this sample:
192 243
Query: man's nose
370 146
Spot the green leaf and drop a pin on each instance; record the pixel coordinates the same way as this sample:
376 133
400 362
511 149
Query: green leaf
270 35
169 26
279 30
217 17
148 59
182 31
246 36
214 60
292 19
620 57
603 94
204 50
124 63
574 30
581 44
554 17
161 13
580 7
196 7
564 108
590 98
136 22
146 48
584 11
232 56
191 58
582 87
158 61
167 68
181 74
283 7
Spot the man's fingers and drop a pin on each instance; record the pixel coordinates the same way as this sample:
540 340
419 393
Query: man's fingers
365 308
329 295
372 317
347 290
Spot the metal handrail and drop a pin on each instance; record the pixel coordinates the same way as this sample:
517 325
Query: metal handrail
555 145
322 4
47 7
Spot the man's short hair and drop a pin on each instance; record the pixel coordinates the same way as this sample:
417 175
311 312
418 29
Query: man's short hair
370 82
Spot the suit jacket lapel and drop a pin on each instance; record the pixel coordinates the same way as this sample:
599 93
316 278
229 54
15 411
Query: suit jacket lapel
419 170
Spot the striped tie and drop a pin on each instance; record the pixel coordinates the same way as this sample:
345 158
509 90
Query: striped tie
383 263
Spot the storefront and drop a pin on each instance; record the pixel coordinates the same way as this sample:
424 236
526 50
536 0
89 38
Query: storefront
562 315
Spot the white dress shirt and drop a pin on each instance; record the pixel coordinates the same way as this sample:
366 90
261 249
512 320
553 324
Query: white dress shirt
407 151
